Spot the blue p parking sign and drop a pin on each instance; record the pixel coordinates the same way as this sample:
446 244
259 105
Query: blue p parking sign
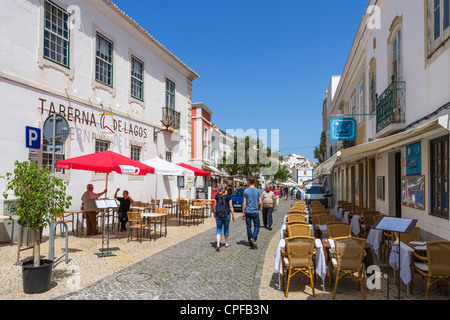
33 138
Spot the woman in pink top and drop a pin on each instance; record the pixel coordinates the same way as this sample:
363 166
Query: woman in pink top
277 196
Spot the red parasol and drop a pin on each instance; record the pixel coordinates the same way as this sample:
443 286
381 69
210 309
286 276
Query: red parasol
198 172
106 162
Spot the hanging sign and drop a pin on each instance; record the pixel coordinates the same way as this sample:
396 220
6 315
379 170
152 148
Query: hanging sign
343 129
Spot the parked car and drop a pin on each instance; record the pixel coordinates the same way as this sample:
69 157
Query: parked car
238 198
315 191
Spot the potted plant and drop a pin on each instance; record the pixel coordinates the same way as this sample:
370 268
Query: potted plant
39 196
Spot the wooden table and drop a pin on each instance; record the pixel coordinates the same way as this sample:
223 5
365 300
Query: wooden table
198 208
156 216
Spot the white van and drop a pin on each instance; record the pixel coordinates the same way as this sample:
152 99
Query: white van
314 191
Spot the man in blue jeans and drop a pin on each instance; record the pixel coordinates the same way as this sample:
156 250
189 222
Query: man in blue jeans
250 211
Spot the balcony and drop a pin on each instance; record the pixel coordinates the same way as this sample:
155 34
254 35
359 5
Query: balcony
391 109
170 118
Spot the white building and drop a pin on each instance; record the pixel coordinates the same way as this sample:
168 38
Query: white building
303 172
95 62
403 139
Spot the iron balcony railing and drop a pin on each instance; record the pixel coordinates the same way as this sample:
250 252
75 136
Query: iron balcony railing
391 105
170 118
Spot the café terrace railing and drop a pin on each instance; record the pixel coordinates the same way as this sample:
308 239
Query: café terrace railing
391 105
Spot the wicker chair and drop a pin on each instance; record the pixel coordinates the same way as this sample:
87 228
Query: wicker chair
348 260
435 266
198 213
296 217
414 235
298 230
296 210
367 221
298 258
338 230
135 221
185 213
323 219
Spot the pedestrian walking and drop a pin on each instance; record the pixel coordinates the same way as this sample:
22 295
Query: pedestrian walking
302 193
90 208
125 203
286 192
223 214
277 197
268 203
250 211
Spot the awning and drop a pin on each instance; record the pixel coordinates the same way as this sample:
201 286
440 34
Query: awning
349 155
326 167
167 168
214 171
391 142
198 172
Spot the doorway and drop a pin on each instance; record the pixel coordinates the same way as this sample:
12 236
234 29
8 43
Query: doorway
398 185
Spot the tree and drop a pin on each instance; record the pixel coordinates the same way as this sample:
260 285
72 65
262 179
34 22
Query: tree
250 158
39 197
320 152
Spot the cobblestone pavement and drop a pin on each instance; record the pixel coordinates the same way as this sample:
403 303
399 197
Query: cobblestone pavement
192 270
183 266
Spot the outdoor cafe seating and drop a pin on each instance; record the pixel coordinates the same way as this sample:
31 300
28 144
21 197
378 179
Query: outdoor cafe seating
298 258
347 259
135 223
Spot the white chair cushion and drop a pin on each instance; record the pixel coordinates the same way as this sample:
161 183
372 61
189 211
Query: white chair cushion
421 265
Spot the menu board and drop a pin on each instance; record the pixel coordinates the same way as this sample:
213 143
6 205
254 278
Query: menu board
395 224
106 203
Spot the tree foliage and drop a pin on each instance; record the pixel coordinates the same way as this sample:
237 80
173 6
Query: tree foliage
39 196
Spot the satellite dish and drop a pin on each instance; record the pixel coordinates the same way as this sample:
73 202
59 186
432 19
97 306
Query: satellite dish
62 128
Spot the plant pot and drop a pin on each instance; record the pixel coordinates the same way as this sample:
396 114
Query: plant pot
37 279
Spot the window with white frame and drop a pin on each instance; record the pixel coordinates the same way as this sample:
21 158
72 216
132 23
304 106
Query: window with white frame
56 34
439 24
47 155
439 174
170 94
136 153
137 78
372 87
168 156
361 101
353 106
101 145
104 60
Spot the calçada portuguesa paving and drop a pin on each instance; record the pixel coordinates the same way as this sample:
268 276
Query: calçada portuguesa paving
185 266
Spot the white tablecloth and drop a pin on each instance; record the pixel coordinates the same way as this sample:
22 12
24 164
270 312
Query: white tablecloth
339 214
336 209
356 228
375 238
346 217
405 260
321 267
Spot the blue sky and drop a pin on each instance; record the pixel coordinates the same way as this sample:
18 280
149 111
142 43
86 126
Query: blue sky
263 64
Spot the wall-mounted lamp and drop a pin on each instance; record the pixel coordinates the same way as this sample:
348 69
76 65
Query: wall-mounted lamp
166 123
